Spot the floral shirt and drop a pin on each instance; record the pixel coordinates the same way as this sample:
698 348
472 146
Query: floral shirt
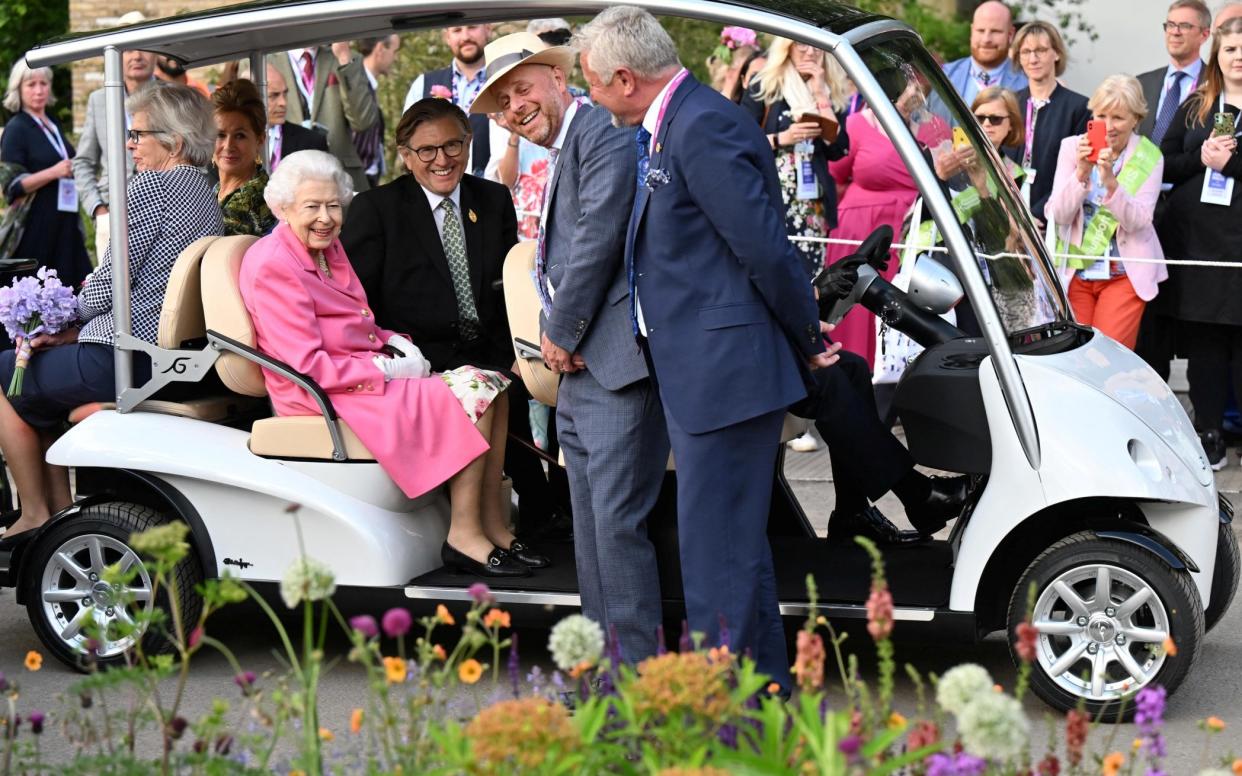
245 211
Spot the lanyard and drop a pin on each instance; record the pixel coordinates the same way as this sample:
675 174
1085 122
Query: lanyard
668 96
53 136
1032 118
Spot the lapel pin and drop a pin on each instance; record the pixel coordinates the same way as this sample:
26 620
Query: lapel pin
473 218
659 147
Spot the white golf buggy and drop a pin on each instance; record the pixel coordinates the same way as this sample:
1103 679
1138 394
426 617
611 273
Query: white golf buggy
1090 484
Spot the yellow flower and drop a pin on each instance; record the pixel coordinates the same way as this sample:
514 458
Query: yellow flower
520 736
438 652
34 661
821 620
296 772
470 671
676 684
1137 743
1112 763
496 617
326 735
1170 648
1214 724
896 721
355 721
394 670
444 615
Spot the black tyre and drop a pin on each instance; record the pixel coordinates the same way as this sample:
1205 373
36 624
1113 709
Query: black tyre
64 589
1103 611
1225 578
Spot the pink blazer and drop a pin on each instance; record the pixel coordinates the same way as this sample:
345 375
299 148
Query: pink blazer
1136 237
324 328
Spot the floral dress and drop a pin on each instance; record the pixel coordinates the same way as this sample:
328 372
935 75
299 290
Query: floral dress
803 217
475 388
244 211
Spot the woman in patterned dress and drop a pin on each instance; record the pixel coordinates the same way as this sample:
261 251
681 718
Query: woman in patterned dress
241 123
311 312
169 206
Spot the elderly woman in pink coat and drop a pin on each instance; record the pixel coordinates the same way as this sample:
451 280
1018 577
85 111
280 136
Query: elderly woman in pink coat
1103 209
310 311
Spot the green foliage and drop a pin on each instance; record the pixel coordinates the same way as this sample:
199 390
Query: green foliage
24 23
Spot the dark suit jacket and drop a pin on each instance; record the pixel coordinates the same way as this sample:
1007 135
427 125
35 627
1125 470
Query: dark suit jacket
1153 84
730 316
391 239
294 138
1065 114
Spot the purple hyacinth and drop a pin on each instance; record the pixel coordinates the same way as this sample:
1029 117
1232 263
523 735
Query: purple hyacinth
515 666
960 764
1149 708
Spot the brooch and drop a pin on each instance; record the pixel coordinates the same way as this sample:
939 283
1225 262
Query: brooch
473 218
655 178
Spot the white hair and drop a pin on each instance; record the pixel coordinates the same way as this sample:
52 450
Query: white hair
177 112
629 37
294 169
20 72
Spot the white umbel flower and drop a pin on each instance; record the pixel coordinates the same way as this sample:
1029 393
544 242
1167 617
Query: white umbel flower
993 726
306 580
962 684
575 640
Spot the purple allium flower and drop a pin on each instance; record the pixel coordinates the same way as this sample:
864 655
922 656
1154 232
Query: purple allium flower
36 722
480 593
365 624
245 680
849 745
397 622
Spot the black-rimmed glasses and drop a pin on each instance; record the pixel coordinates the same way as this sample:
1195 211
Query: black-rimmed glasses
1182 27
135 135
452 149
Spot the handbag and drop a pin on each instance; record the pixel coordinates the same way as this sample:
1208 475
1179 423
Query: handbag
13 222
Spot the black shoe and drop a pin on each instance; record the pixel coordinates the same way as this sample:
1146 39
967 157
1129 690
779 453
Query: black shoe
10 543
528 555
1214 448
944 503
553 527
871 523
499 563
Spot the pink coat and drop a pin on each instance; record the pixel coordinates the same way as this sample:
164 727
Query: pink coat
323 328
1136 237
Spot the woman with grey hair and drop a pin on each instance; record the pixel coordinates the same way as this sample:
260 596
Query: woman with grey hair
34 141
310 311
170 206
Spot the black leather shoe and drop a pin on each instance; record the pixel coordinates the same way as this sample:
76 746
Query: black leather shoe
10 543
499 563
528 555
944 503
871 523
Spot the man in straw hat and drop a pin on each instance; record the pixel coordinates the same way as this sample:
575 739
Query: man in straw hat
609 419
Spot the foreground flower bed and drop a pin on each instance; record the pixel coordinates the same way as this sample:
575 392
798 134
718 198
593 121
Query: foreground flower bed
698 710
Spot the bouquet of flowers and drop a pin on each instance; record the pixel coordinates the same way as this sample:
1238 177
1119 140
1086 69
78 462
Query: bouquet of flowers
31 306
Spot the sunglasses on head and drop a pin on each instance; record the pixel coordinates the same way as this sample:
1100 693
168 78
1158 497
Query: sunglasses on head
988 118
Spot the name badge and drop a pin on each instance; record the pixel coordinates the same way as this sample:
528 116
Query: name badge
66 195
1217 189
1097 271
808 187
1028 180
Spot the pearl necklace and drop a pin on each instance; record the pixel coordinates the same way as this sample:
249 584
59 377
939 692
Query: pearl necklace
322 261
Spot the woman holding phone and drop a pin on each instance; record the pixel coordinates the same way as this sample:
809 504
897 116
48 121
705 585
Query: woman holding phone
1103 198
1204 222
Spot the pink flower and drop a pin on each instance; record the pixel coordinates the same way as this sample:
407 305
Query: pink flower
196 636
880 613
809 664
397 622
442 92
1024 644
365 624
480 593
732 37
480 406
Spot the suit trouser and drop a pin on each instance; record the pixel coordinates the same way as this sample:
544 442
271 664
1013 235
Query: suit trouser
539 494
615 449
867 460
724 493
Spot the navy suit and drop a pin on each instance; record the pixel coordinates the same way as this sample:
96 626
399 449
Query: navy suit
731 322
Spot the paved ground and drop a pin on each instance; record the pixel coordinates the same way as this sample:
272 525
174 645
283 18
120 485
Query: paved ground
1213 688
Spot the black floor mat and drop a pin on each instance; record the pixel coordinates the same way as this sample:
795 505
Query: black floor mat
918 576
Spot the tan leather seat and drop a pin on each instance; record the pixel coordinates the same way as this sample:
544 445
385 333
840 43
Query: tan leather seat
522 306
225 313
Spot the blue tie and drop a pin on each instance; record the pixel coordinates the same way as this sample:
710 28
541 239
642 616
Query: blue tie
1172 101
643 138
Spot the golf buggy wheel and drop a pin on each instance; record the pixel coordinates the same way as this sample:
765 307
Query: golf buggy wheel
1225 577
1103 612
66 589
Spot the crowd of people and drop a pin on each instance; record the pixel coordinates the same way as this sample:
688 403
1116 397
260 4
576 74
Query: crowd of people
384 289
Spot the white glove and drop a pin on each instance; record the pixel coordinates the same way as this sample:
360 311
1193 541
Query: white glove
409 365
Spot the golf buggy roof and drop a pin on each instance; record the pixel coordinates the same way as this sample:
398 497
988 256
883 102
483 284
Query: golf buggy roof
236 31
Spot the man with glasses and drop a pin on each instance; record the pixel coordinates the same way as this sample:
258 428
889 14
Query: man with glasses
991 30
429 248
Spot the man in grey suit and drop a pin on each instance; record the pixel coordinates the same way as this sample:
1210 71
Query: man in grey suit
609 419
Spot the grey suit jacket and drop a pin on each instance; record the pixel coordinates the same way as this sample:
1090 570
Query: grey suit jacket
592 191
1153 84
90 168
346 104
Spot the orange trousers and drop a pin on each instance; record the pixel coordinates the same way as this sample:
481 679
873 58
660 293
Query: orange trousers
1109 305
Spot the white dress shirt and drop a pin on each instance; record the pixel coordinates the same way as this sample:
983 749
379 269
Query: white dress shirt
1188 84
435 199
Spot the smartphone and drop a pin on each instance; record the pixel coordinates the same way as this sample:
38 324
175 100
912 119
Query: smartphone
960 140
1097 136
827 125
1223 125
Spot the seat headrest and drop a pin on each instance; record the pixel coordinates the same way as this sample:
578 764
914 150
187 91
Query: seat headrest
225 312
181 318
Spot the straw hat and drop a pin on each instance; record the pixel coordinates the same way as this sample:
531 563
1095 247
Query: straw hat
520 48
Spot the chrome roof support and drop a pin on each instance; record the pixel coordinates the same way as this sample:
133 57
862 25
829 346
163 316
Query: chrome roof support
258 75
118 168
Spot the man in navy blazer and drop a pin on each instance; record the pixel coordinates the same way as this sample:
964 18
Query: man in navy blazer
723 310
991 32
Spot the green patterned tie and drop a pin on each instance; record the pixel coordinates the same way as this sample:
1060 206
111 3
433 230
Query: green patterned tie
455 252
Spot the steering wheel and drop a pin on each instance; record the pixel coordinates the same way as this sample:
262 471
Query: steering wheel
842 284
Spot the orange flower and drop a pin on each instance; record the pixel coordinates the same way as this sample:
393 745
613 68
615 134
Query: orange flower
326 735
296 772
34 661
676 684
580 669
520 736
1214 724
496 617
1236 767
394 670
355 721
1170 648
896 721
444 615
438 652
773 688
1112 763
470 671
